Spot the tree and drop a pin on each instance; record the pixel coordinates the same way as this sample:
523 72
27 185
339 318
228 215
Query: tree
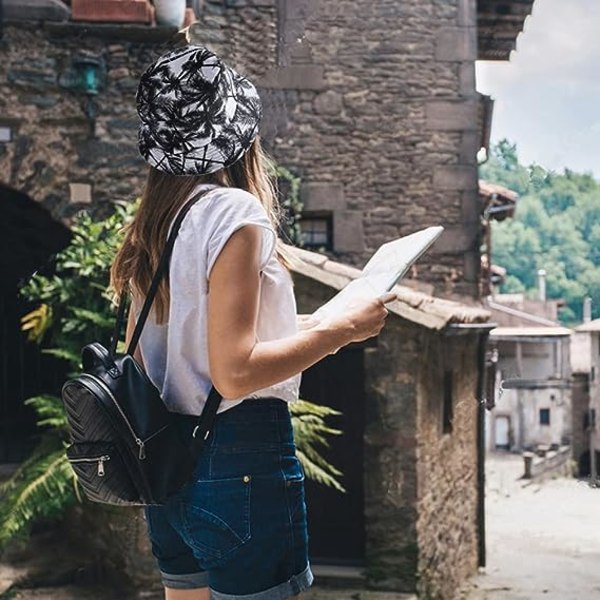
556 227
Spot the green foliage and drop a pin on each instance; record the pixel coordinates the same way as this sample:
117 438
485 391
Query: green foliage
76 309
310 430
556 228
44 485
77 293
289 188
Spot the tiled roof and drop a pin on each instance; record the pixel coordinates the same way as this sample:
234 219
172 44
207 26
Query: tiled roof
592 326
412 305
511 332
489 189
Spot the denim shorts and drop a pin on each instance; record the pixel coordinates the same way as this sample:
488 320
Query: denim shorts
240 526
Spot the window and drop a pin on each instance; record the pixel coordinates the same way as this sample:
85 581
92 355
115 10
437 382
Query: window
544 416
316 231
448 407
5 134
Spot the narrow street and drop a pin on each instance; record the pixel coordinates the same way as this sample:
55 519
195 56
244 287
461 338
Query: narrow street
543 539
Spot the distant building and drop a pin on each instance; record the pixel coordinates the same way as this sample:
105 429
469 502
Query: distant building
533 392
588 395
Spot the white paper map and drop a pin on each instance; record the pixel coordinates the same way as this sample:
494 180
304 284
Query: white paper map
386 267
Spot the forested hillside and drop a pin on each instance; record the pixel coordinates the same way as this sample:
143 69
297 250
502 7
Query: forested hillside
556 228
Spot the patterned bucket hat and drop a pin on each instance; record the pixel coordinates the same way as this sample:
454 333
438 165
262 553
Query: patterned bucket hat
198 115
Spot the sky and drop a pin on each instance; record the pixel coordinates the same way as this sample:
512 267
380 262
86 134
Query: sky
547 97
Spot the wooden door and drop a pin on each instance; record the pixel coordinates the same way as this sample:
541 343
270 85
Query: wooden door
336 520
502 432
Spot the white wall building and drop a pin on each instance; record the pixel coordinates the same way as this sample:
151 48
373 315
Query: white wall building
533 395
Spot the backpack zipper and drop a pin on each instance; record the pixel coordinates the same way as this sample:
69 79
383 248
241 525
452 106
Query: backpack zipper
99 459
138 441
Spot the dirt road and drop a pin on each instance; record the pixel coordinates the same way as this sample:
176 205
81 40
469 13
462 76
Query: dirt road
543 540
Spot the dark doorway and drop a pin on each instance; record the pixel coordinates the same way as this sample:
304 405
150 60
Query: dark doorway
336 520
29 236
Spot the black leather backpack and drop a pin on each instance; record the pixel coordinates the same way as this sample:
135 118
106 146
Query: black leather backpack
127 448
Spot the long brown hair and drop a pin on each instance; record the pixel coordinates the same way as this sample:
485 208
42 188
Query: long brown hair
164 194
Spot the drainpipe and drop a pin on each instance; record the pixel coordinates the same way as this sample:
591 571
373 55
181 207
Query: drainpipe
481 354
482 330
587 308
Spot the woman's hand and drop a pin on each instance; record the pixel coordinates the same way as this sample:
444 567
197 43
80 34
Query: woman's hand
363 318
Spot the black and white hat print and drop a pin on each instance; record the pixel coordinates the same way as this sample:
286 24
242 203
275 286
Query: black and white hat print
198 115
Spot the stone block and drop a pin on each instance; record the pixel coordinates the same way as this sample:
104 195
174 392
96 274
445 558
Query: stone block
296 77
467 83
35 10
472 266
467 13
323 196
452 116
455 240
112 11
455 177
470 144
80 193
39 101
458 44
299 9
328 103
470 206
348 232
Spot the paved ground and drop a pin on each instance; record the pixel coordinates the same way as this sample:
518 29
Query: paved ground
543 540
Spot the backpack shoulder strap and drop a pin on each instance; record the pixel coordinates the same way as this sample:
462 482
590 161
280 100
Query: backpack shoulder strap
161 270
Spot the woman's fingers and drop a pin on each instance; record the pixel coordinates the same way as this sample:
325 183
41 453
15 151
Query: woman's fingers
387 297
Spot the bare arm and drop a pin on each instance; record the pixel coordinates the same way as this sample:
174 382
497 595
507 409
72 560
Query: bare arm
239 364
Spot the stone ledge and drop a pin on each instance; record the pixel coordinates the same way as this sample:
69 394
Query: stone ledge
35 10
131 33
323 196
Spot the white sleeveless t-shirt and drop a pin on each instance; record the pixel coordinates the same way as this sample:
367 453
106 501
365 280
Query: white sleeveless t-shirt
175 353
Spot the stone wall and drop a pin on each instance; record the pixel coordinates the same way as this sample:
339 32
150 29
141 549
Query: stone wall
391 460
373 104
447 466
53 156
420 484
377 112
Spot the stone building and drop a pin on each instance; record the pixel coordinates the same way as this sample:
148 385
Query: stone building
373 104
411 453
533 388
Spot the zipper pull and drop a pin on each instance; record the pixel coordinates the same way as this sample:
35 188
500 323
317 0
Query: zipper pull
101 466
142 453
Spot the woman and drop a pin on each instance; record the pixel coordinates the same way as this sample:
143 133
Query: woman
226 317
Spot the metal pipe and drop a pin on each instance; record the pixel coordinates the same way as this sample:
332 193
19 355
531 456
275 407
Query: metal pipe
481 363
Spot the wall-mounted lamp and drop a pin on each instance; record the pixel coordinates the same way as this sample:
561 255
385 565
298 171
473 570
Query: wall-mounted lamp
85 75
